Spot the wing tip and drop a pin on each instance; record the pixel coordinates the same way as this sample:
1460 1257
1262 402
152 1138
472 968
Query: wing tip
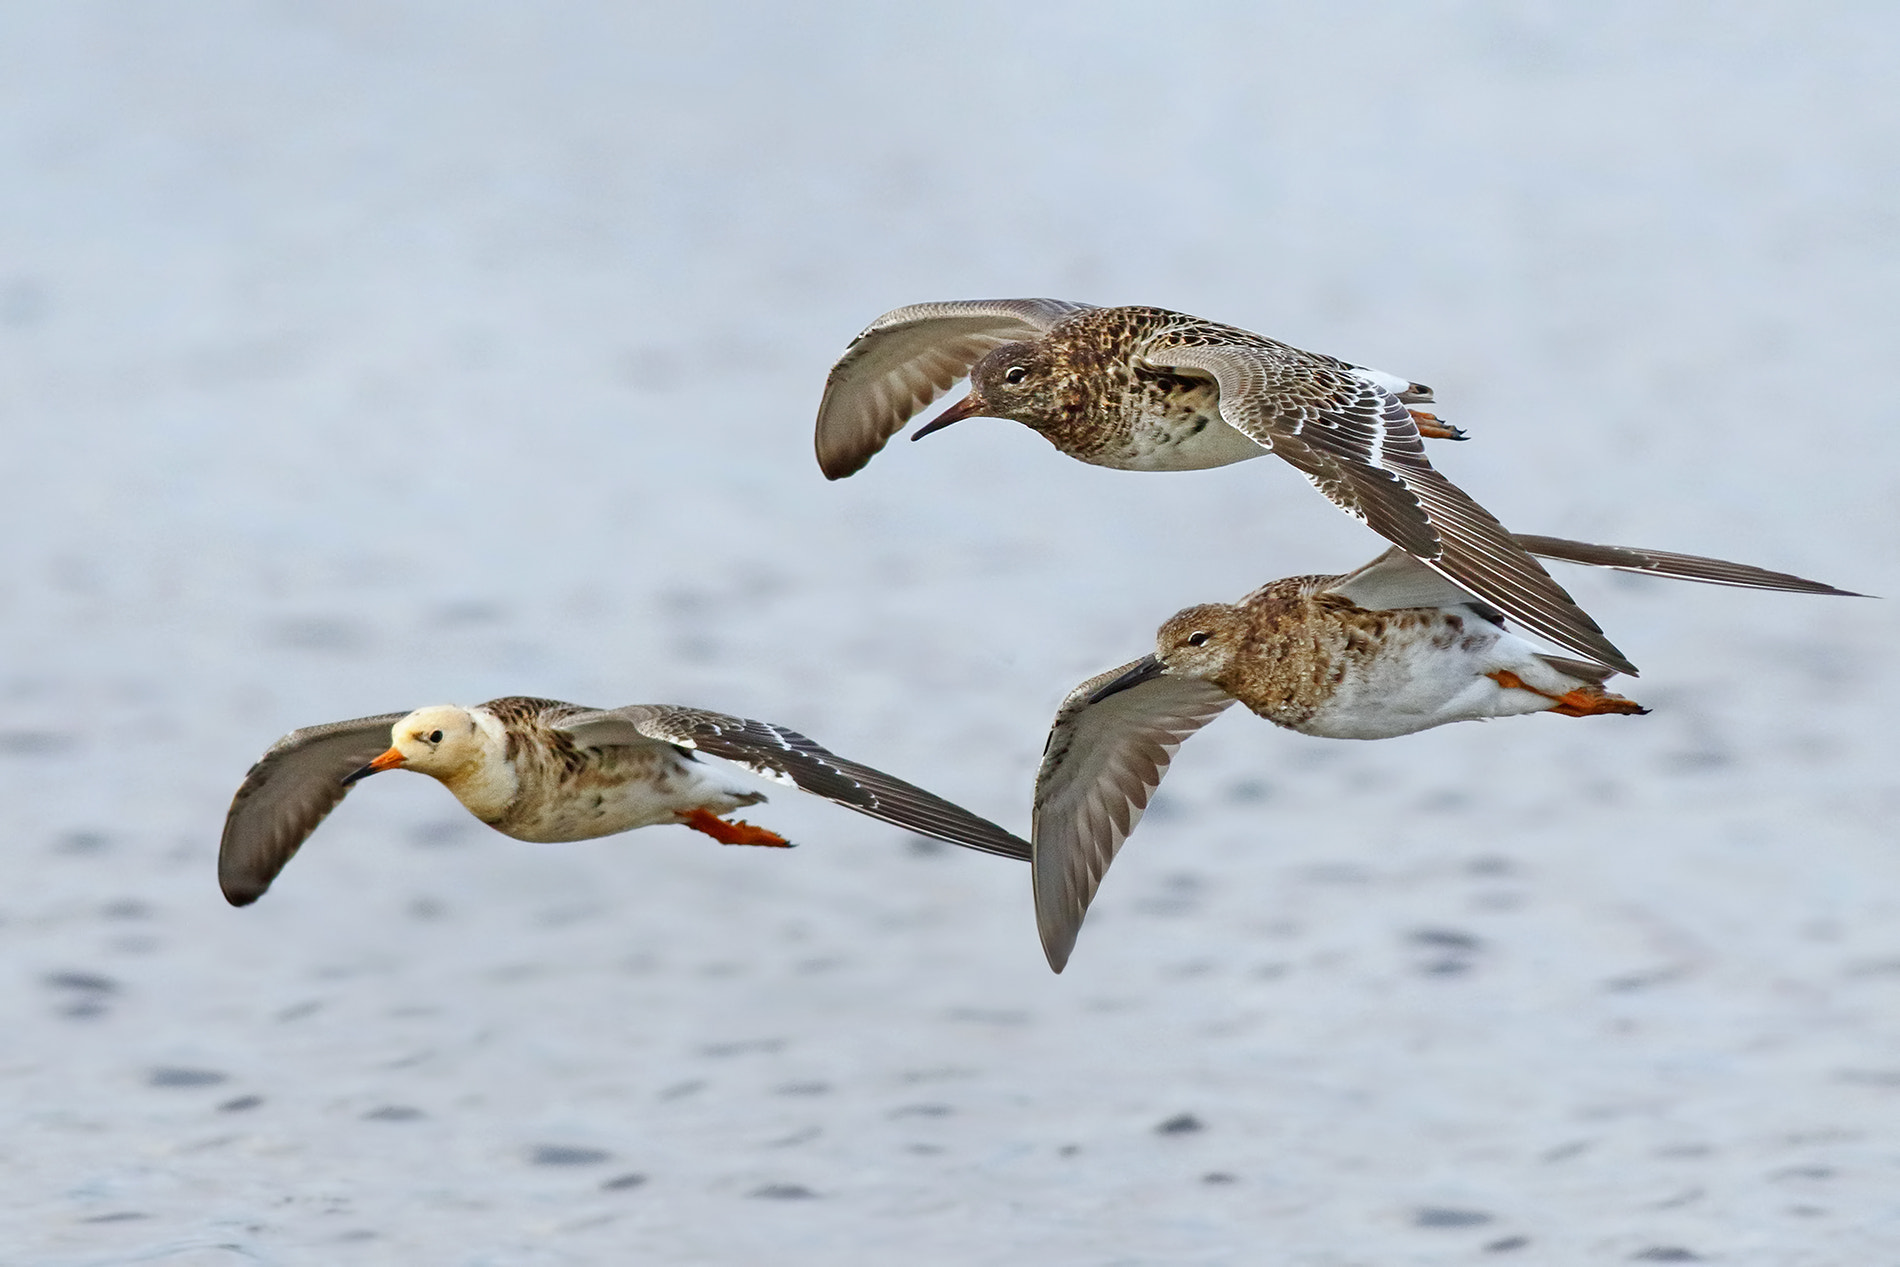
242 894
840 462
1010 846
838 466
1056 930
842 470
1056 951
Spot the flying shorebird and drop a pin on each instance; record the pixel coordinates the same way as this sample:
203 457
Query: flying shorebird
543 770
1387 650
1149 389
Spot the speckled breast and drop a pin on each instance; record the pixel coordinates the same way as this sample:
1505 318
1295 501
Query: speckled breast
1173 423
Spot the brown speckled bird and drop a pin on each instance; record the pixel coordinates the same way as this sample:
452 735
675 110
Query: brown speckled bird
543 770
1148 389
1388 650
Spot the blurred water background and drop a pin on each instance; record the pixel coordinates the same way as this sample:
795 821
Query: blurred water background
359 356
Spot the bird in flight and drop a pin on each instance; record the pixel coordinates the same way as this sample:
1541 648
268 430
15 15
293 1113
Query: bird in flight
1150 389
543 770
1390 649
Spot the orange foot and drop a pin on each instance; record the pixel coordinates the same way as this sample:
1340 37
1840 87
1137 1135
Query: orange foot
733 833
1584 701
1432 429
1590 701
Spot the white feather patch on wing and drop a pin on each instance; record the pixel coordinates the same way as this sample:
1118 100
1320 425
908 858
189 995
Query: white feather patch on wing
764 771
1379 378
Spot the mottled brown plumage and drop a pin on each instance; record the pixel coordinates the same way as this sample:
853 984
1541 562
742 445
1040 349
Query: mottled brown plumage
564 789
1296 643
1150 389
1389 649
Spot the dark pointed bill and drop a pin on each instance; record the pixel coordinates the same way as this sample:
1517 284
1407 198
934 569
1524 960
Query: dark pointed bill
965 408
1146 669
388 761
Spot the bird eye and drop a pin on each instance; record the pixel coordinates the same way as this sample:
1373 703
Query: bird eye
1015 374
1198 638
435 736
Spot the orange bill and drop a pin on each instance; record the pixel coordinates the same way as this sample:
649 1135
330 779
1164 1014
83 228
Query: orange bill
388 761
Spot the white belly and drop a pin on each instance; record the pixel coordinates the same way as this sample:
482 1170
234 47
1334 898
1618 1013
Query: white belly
1179 442
644 788
1418 684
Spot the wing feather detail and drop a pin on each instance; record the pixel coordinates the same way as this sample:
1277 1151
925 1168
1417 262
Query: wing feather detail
1680 567
1396 579
782 754
1103 761
1359 445
292 788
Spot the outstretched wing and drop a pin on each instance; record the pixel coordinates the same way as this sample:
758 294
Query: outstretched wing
291 789
1360 446
1109 746
1680 567
784 755
906 359
1395 579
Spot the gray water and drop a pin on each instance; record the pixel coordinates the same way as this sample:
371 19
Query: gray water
355 357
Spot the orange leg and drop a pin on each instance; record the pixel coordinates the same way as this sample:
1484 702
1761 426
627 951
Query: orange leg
1432 429
1584 701
733 833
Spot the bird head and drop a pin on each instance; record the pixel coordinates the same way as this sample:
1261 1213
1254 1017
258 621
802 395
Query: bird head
1012 381
1201 641
441 740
